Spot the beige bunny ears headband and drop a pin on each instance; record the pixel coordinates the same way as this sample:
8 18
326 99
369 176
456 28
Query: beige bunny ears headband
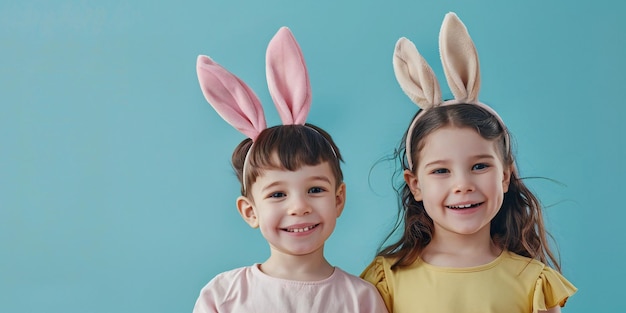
460 65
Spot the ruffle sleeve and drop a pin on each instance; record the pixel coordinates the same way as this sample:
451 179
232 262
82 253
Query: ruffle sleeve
375 274
551 289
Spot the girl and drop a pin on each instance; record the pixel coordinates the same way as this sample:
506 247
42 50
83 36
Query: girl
473 237
291 188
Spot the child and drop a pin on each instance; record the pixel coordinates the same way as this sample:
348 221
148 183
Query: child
473 237
291 188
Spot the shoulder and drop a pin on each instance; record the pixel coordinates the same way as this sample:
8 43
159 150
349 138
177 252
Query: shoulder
225 280
380 269
551 288
346 278
366 294
222 287
378 265
377 273
235 273
518 262
520 268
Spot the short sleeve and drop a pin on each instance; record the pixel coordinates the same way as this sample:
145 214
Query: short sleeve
206 302
551 289
375 274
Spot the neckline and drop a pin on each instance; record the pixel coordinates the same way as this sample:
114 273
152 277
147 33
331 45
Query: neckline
256 270
477 268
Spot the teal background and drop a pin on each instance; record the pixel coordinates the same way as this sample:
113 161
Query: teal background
116 193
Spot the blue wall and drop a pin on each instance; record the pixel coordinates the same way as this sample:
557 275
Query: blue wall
116 193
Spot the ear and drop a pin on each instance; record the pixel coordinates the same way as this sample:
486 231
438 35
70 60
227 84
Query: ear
415 76
246 209
340 198
459 59
288 78
233 100
506 178
413 183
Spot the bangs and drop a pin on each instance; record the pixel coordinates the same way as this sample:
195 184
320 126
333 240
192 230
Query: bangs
290 147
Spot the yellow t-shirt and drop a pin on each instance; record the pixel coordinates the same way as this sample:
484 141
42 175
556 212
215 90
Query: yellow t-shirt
511 283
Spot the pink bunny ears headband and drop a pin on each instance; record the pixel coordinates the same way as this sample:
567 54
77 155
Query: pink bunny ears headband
460 65
237 104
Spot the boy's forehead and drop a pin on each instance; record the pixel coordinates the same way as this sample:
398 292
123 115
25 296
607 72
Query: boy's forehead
271 176
276 168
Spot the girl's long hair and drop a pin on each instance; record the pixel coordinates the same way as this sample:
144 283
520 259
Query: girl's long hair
518 226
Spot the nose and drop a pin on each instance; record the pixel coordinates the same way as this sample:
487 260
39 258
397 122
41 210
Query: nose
299 205
464 183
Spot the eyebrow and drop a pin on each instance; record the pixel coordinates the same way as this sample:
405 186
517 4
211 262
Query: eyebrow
475 157
272 185
323 178
311 178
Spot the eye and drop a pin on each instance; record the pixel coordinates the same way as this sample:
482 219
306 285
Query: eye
277 194
316 190
480 166
440 171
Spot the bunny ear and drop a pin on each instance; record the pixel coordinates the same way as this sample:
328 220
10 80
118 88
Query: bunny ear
287 78
460 59
415 76
233 100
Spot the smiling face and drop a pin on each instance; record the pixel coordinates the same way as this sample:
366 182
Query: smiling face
461 180
295 210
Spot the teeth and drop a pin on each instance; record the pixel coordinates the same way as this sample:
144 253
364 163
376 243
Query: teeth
463 206
300 230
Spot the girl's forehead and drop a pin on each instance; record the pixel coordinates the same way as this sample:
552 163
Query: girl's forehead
450 132
456 141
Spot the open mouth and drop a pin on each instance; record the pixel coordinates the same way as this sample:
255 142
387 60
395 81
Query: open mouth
300 230
463 207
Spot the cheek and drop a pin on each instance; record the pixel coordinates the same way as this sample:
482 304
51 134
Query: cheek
499 184
431 187
267 216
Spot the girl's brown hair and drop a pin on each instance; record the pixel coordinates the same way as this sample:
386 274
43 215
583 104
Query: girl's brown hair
517 227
